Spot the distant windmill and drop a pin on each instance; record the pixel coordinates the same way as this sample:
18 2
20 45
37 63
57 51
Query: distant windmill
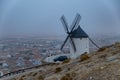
77 37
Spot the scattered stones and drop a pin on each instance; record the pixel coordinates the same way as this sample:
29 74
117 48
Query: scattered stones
102 67
90 78
112 58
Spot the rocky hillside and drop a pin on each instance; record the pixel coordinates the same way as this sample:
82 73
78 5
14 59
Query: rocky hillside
103 64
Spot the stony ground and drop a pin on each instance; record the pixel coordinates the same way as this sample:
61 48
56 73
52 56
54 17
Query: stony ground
103 64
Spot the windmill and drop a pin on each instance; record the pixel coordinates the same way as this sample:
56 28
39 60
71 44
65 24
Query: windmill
79 40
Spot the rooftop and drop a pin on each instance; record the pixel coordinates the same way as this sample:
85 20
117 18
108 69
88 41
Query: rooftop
79 33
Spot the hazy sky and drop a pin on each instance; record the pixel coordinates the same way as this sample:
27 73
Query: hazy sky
42 17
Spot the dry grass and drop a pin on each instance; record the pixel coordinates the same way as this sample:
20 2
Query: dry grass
94 67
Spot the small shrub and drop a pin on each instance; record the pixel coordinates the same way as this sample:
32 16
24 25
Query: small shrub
21 78
66 61
103 56
68 69
34 74
69 76
101 49
114 53
73 74
30 74
58 69
66 78
84 57
40 77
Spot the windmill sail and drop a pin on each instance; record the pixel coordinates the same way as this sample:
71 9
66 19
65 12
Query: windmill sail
75 31
65 25
75 23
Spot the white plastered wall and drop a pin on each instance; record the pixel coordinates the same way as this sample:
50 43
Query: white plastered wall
82 46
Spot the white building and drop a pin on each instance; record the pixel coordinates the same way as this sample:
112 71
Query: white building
78 39
81 42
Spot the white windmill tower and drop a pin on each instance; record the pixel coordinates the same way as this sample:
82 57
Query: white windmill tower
77 37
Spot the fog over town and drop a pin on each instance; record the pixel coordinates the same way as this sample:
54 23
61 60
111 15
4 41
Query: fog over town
42 17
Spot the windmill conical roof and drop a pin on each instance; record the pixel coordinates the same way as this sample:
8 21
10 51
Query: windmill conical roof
79 33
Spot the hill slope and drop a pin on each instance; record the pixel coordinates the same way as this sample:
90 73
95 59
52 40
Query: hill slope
103 64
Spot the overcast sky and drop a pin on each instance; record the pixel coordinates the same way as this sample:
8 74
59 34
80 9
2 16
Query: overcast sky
42 17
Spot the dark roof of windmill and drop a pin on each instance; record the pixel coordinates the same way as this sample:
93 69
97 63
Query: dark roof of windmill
79 33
